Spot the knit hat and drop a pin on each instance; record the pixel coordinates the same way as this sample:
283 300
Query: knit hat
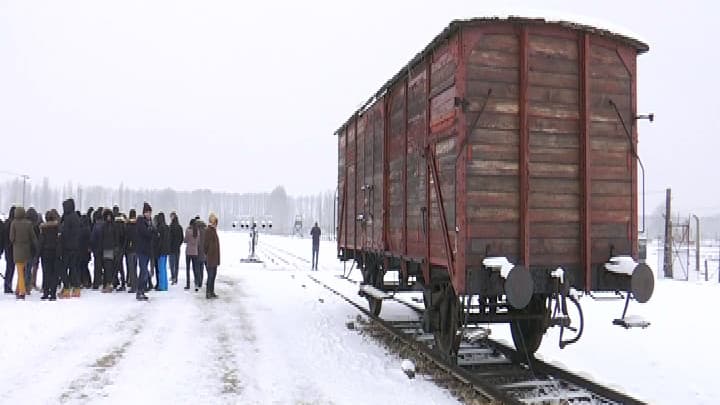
146 208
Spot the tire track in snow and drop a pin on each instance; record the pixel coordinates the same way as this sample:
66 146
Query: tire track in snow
232 328
89 385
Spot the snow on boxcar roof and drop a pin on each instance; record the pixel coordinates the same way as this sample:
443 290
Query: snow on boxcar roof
617 34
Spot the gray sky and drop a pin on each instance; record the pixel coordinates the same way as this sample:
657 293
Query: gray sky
241 97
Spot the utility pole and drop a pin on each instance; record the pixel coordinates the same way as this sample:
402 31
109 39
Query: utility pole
667 254
697 244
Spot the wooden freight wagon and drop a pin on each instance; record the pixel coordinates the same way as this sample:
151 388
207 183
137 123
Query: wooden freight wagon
497 171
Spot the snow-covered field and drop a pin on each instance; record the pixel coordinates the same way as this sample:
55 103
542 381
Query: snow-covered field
274 336
267 339
673 361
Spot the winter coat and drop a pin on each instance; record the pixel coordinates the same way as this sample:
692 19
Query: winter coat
22 237
96 236
201 227
211 247
191 242
164 233
84 245
49 241
176 236
120 230
144 237
6 234
130 236
109 241
70 227
315 233
2 237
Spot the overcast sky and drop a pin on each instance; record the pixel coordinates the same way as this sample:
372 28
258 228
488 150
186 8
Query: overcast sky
237 97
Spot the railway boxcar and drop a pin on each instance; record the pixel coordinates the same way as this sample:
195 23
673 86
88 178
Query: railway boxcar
497 172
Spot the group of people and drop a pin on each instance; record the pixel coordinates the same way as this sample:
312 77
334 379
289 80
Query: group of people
63 245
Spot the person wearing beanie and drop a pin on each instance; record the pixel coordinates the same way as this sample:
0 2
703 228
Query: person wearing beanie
131 262
50 254
32 266
211 247
143 241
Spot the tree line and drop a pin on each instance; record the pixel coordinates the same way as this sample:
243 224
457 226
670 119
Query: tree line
276 206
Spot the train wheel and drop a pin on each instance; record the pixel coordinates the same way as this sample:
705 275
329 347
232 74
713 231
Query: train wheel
374 276
446 335
527 334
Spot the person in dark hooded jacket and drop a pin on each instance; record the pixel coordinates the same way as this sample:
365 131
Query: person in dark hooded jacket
49 247
109 243
131 261
84 252
70 244
9 260
97 249
119 228
164 251
176 240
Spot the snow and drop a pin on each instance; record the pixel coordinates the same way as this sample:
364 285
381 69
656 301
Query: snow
273 336
672 361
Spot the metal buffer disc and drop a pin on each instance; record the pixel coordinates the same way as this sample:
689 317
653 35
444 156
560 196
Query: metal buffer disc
519 287
642 283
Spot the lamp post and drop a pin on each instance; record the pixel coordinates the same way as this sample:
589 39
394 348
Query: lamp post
25 178
697 244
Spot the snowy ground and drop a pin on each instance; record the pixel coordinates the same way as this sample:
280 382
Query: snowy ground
674 361
268 339
274 336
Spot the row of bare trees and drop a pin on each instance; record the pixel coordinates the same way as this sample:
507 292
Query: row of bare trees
277 205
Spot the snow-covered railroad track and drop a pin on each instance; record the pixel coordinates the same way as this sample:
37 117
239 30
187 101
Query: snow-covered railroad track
494 370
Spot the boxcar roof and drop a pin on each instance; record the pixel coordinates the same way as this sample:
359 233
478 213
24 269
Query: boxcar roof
455 25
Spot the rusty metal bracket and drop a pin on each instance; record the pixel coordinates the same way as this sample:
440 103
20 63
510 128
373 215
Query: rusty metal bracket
636 156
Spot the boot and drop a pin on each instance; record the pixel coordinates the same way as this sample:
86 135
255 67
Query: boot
65 293
76 293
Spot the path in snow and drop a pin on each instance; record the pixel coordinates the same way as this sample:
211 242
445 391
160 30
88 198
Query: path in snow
273 336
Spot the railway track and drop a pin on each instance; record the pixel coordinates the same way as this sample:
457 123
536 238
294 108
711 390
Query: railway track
496 372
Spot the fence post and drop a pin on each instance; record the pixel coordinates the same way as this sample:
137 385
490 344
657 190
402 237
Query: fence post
706 271
667 257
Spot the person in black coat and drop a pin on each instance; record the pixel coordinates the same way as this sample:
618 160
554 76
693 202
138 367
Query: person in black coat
84 251
163 250
176 240
9 260
119 228
109 244
97 249
70 243
315 233
50 254
131 261
143 247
